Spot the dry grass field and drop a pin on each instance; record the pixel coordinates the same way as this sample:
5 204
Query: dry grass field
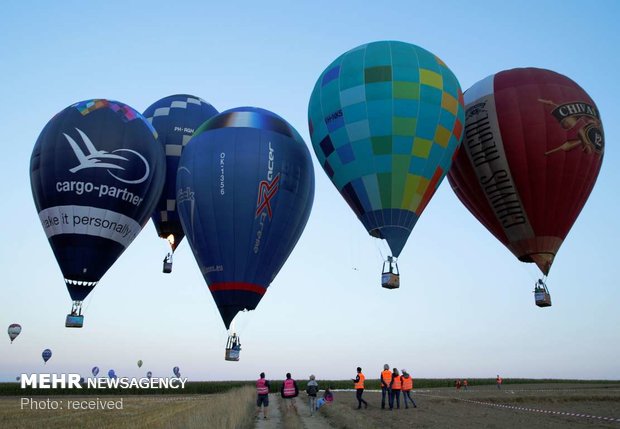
233 409
523 406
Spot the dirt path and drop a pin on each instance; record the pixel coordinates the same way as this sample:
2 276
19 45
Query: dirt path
316 421
302 419
274 417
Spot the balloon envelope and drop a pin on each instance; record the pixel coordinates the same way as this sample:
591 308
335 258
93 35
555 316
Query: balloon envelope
175 118
176 371
532 151
149 375
385 120
140 363
14 330
96 172
46 355
111 374
95 371
245 187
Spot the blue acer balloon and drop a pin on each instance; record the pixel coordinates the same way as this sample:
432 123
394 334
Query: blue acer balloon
175 118
245 187
149 375
176 371
46 355
111 374
96 173
95 371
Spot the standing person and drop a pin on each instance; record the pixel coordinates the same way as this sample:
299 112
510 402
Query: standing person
359 388
465 384
457 383
395 389
312 389
499 381
262 393
386 382
289 391
407 385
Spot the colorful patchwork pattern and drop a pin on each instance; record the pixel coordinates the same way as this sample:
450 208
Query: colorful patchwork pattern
385 120
127 113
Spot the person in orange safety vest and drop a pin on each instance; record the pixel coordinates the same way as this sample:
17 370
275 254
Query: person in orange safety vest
386 381
407 385
359 388
395 389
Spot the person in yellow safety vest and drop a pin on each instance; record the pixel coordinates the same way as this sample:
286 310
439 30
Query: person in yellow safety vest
289 391
386 382
499 380
407 385
395 389
262 392
359 388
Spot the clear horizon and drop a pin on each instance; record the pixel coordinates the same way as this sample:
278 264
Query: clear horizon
465 308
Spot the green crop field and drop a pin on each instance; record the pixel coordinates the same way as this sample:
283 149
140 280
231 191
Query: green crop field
209 387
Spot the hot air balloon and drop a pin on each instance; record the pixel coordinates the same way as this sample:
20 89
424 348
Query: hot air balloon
245 187
46 355
111 374
140 363
177 372
385 120
149 375
95 371
96 172
14 330
175 118
532 151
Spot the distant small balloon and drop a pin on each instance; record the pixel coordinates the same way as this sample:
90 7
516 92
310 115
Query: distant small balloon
140 363
47 354
111 374
95 371
14 330
149 375
176 371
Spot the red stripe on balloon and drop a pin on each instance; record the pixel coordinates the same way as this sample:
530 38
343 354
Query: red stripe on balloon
231 286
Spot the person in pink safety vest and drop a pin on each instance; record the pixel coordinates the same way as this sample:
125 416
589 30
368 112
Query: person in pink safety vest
262 395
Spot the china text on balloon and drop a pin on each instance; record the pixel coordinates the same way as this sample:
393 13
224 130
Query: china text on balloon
498 186
103 191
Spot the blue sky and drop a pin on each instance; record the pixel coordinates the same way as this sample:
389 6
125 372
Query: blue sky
465 307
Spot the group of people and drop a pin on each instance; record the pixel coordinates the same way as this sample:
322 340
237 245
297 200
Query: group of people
290 390
458 383
392 384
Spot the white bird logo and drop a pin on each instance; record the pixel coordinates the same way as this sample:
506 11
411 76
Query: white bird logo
95 158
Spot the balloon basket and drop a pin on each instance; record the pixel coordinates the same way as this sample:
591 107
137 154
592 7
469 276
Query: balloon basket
233 348
390 277
390 280
74 321
542 297
232 355
167 268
